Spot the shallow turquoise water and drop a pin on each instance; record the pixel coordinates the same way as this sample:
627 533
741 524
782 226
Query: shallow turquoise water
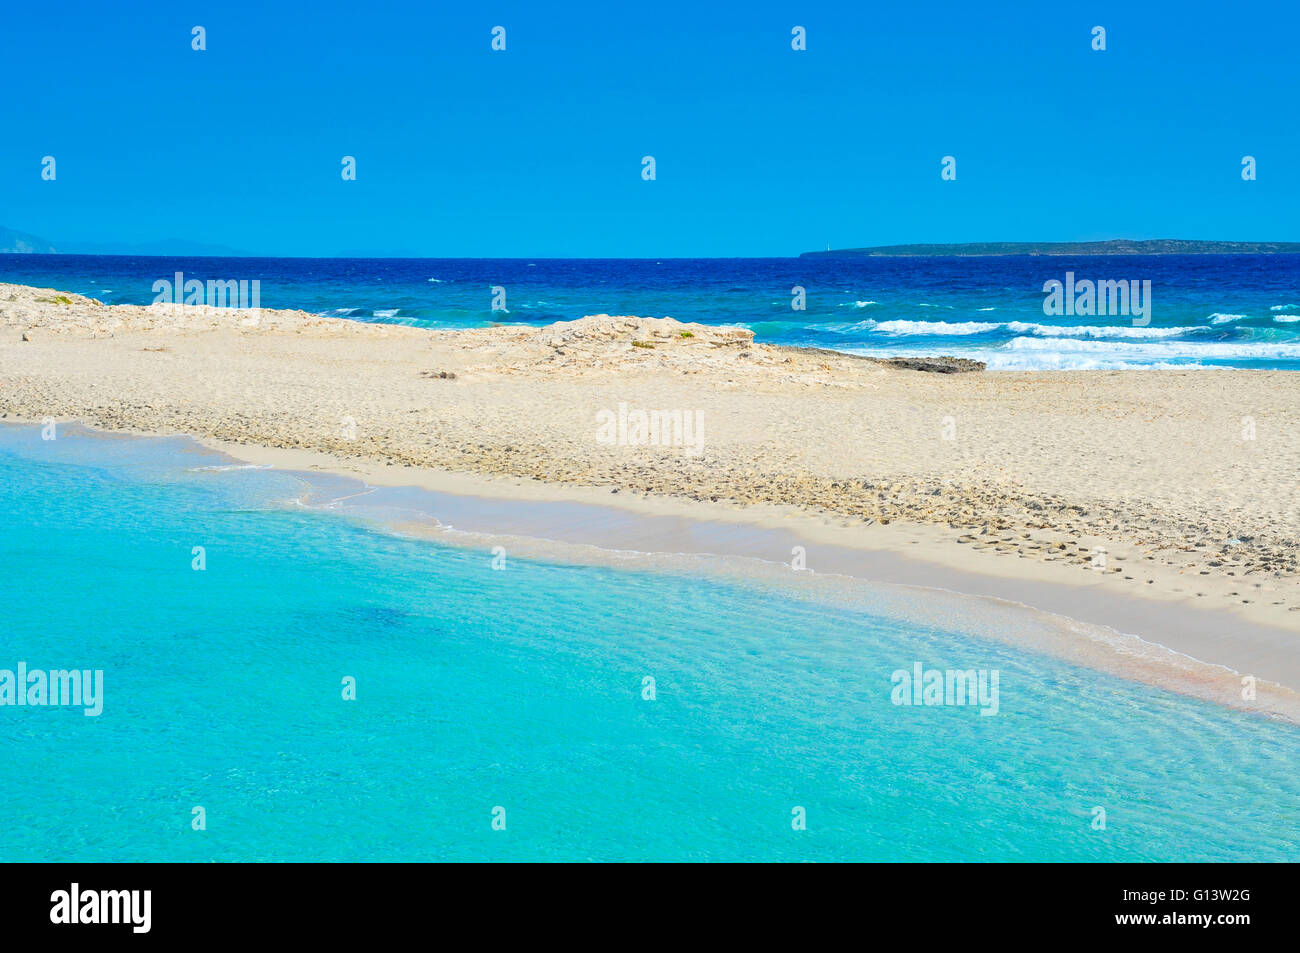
522 689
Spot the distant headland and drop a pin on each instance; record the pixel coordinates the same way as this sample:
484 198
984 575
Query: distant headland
1117 246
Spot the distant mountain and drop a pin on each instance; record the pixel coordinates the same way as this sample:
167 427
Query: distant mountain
12 242
19 243
1117 246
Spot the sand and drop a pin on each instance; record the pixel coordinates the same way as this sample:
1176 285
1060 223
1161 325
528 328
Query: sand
1165 503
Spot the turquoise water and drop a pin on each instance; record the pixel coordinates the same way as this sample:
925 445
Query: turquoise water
522 689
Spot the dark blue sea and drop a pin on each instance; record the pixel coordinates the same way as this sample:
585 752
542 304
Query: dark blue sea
1200 310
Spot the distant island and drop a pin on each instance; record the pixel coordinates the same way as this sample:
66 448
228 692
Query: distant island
20 243
1117 246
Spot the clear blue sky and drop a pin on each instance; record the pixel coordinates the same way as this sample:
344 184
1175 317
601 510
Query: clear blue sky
760 150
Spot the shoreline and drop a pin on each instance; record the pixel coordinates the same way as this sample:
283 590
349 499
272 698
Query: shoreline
593 518
1170 647
1125 499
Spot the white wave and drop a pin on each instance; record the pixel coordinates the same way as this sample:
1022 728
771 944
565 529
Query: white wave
436 281
1160 350
387 312
1283 307
999 360
862 304
962 328
932 327
1034 353
1078 362
1286 318
987 309
1095 331
1217 318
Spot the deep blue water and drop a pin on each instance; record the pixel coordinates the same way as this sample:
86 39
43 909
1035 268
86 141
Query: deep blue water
1206 310
523 689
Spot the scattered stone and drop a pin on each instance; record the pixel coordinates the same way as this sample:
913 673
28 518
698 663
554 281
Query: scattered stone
936 365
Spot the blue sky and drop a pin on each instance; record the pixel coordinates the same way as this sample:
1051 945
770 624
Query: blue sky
760 150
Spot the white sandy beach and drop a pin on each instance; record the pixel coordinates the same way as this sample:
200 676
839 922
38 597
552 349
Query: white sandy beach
1160 503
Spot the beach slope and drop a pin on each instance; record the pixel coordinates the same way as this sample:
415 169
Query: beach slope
1174 489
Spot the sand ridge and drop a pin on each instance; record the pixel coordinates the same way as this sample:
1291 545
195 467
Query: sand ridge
1176 485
